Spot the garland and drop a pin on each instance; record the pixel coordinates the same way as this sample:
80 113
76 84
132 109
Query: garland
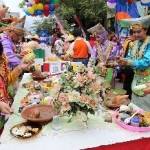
136 53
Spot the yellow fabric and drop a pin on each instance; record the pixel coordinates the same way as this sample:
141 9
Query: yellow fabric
127 44
9 76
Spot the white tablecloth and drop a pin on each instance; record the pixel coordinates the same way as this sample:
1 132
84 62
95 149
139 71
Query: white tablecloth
60 135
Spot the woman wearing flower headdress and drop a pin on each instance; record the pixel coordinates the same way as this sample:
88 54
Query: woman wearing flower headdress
139 59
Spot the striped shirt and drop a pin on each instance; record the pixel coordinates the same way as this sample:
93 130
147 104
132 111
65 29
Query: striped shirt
9 48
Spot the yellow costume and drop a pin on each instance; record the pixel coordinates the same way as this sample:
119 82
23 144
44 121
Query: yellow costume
7 77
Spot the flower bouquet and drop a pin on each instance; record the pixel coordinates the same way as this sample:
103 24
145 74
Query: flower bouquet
79 93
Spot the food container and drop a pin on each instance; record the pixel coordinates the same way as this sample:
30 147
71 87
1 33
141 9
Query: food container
135 121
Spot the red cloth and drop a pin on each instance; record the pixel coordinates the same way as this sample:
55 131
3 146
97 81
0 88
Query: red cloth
92 41
141 144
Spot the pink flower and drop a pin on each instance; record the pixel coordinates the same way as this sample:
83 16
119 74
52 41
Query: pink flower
90 75
65 107
89 101
82 79
84 99
92 103
63 97
95 87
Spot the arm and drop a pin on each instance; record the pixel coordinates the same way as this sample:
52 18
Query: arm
14 74
4 108
11 75
70 50
8 50
89 48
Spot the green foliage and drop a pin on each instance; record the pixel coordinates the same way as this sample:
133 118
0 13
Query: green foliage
45 24
89 11
21 4
75 107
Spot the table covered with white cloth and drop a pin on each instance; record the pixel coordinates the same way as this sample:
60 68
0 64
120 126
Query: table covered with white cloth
61 135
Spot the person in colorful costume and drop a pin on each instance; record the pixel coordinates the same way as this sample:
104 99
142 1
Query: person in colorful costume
10 36
7 77
139 58
117 47
103 50
128 71
80 49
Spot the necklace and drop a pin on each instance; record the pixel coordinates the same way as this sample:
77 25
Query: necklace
138 50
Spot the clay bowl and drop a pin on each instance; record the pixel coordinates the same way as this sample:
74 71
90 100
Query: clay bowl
38 113
38 76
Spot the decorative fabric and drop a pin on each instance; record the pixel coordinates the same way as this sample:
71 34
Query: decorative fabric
6 78
140 54
126 9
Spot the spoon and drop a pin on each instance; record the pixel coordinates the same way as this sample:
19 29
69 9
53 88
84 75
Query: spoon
127 120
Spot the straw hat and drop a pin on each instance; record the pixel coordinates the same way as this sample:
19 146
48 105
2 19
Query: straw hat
18 31
36 37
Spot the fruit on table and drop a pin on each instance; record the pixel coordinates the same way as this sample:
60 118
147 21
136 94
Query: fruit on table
146 118
44 101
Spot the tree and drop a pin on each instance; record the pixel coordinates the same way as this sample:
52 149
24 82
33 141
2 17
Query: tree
89 12
48 24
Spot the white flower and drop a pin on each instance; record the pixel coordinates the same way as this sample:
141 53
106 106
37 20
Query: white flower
74 96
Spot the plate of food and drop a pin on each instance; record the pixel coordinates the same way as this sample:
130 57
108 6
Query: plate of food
136 121
32 98
25 130
38 113
142 90
115 101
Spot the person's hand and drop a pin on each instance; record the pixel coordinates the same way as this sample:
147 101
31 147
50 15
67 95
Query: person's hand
122 62
4 108
26 66
64 57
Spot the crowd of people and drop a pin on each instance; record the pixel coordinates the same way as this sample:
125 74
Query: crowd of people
102 48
